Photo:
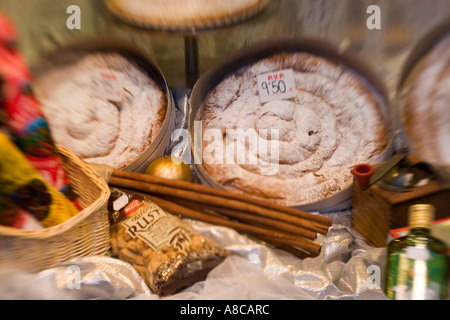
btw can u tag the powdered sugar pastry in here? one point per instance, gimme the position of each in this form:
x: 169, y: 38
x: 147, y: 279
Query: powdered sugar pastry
x: 333, y: 123
x: 97, y: 129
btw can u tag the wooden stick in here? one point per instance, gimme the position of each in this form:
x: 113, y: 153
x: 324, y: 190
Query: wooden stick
x: 165, y: 191
x: 222, y: 193
x: 258, y: 220
x: 307, y: 245
x: 280, y: 244
x: 299, y: 253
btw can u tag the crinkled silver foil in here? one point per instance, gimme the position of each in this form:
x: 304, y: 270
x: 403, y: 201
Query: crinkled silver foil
x: 254, y: 271
x: 95, y: 277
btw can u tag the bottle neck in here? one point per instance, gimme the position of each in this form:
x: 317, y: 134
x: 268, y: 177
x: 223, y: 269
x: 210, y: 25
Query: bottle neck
x: 420, y: 216
x: 420, y: 231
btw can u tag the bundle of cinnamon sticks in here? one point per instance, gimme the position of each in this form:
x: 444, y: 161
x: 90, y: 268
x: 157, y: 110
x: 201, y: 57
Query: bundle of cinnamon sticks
x: 286, y: 228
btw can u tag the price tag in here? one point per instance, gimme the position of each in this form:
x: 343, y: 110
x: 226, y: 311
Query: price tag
x: 108, y: 85
x: 277, y: 85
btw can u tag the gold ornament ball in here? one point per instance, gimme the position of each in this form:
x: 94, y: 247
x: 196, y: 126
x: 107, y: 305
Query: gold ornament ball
x: 165, y: 167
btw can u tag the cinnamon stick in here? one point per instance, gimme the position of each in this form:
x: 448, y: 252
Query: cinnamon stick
x: 258, y: 220
x: 202, y: 198
x: 277, y: 237
x: 222, y: 193
x: 299, y: 253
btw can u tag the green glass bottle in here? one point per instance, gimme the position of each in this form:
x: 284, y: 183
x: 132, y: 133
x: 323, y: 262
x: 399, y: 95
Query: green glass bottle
x: 417, y: 263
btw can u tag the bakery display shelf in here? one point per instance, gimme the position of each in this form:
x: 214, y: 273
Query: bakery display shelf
x: 206, y: 23
x: 190, y: 34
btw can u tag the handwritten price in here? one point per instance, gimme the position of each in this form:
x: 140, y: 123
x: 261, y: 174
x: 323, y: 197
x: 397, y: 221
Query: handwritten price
x: 277, y: 85
x: 274, y: 87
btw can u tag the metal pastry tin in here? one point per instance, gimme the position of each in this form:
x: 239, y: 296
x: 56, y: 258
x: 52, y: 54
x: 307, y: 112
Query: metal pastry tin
x: 247, y: 56
x: 127, y: 49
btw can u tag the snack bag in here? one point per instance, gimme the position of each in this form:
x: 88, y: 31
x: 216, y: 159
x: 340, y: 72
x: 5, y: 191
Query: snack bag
x: 166, y: 251
x: 25, y: 118
x: 25, y: 187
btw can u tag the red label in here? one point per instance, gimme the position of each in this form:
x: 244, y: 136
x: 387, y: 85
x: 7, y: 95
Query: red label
x: 131, y: 207
x: 275, y: 76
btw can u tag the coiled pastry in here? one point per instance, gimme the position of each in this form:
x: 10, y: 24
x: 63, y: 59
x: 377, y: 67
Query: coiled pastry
x: 333, y: 122
x: 425, y: 102
x: 92, y: 126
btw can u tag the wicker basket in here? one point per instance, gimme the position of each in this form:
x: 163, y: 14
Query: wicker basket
x: 85, y: 234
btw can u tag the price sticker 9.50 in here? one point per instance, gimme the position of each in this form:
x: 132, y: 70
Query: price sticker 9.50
x: 277, y: 85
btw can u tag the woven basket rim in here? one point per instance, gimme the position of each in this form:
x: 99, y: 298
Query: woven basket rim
x: 82, y: 215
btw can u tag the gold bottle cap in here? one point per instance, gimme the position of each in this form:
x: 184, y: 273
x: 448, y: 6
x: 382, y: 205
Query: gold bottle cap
x: 421, y: 215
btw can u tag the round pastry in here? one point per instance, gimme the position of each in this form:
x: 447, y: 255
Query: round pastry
x: 424, y: 100
x: 296, y: 151
x: 184, y: 14
x: 85, y: 119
